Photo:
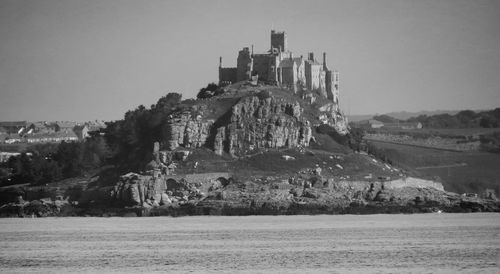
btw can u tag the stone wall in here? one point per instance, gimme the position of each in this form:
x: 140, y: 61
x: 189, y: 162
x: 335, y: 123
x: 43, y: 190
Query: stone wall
x: 261, y: 65
x: 200, y: 178
x: 227, y: 76
x: 244, y: 65
x: 413, y: 182
x: 459, y: 144
x: 312, y: 72
x: 343, y: 186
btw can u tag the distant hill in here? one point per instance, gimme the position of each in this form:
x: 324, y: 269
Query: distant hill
x: 386, y: 119
x: 357, y: 118
x: 405, y: 115
x: 401, y: 115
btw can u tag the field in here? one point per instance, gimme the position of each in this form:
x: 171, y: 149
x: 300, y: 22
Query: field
x: 442, y: 132
x: 459, y: 171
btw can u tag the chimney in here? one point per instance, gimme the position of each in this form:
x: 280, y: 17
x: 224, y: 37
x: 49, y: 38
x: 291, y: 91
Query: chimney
x: 220, y: 62
x: 311, y: 56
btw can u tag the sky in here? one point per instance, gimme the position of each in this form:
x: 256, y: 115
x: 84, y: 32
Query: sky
x: 96, y: 59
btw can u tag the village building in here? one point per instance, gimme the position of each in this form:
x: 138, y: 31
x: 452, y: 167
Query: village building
x: 56, y: 137
x: 41, y: 127
x: 65, y: 126
x: 12, y: 127
x: 403, y: 125
x: 81, y: 131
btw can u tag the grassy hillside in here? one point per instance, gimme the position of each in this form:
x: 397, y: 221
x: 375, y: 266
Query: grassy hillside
x: 334, y: 164
x: 459, y: 171
x: 441, y: 132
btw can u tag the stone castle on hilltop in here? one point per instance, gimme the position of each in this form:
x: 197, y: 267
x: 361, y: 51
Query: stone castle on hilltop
x: 280, y: 67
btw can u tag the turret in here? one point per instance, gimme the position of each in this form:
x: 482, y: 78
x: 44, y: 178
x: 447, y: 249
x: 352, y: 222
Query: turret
x: 311, y: 56
x: 325, y: 68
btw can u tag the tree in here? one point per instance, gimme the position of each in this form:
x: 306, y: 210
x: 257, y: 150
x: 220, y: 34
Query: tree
x: 466, y: 118
x: 488, y: 121
x: 208, y: 91
x: 131, y: 139
x: 355, y: 138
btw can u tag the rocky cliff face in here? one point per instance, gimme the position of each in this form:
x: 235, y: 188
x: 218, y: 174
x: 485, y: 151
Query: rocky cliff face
x: 187, y: 131
x: 255, y: 122
x: 262, y: 123
x: 332, y: 116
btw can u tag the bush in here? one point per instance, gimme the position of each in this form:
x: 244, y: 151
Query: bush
x: 131, y: 139
x: 353, y: 139
x: 210, y: 90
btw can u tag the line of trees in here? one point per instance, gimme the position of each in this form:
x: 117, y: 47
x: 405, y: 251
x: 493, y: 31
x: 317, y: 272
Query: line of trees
x: 45, y: 163
x: 131, y: 139
x: 353, y: 139
x: 125, y: 143
x: 463, y: 119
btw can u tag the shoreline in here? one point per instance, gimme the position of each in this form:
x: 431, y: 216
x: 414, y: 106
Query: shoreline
x: 225, y: 209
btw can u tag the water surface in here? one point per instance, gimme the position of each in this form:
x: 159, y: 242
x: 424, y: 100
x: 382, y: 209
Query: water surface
x: 419, y: 243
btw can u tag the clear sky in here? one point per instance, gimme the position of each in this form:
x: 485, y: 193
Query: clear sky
x: 95, y: 59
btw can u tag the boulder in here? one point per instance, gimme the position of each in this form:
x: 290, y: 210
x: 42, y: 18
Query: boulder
x: 382, y: 196
x: 165, y: 200
x: 287, y: 157
x: 136, y: 189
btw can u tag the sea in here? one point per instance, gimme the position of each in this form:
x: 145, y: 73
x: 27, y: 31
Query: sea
x: 418, y: 243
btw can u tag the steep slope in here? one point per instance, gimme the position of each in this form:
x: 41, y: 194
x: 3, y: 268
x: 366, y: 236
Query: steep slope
x: 246, y: 119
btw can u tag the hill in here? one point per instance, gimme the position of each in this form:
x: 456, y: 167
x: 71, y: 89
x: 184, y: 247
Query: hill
x: 248, y: 149
x: 401, y: 115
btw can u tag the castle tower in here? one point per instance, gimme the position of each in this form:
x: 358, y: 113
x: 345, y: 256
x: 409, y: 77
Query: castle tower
x: 328, y: 79
x: 244, y: 65
x: 278, y: 41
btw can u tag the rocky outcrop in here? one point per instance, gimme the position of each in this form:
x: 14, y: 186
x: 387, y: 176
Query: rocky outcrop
x: 148, y: 191
x: 187, y: 131
x: 36, y: 208
x: 410, y: 182
x: 136, y: 189
x: 331, y: 115
x: 256, y: 123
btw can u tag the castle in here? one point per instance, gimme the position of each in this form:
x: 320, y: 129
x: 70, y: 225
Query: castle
x: 280, y: 67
